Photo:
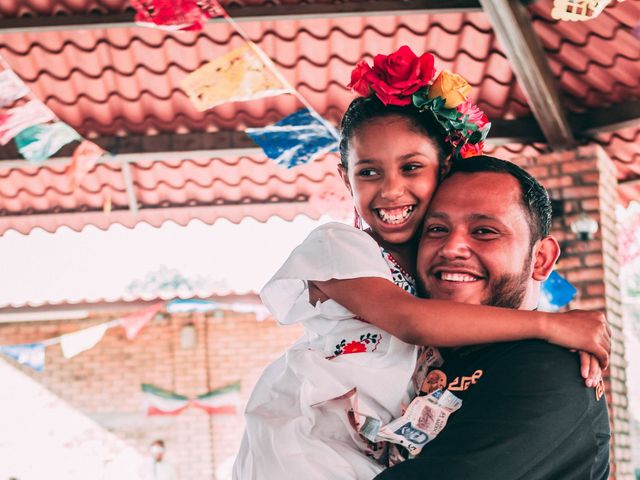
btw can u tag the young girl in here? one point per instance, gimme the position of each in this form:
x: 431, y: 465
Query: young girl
x: 356, y: 359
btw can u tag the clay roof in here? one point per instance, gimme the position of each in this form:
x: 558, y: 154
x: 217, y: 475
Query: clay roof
x: 122, y: 81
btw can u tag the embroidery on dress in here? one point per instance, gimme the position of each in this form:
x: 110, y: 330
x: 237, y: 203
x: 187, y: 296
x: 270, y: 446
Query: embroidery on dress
x: 367, y: 343
x: 400, y: 277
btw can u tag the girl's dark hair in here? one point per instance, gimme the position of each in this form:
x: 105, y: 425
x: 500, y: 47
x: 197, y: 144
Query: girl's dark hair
x: 363, y: 109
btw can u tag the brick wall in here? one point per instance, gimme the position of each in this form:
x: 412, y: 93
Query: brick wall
x: 103, y: 384
x: 584, y: 180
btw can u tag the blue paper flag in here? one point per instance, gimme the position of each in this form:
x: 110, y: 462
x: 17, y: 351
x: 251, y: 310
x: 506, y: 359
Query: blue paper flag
x: 297, y: 139
x: 556, y: 292
x: 39, y: 142
x: 191, y: 305
x: 29, y: 354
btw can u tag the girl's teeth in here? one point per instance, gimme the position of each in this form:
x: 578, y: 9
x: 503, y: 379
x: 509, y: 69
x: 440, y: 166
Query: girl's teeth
x: 458, y: 277
x: 395, y: 215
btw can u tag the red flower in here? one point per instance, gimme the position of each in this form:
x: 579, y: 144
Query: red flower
x: 354, y: 347
x: 476, y: 115
x: 468, y: 150
x: 394, y: 78
x: 360, y: 79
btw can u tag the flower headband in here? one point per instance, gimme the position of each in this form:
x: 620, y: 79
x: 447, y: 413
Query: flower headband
x: 402, y: 78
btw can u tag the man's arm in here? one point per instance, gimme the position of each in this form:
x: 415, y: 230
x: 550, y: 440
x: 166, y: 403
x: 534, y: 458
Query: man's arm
x: 528, y: 417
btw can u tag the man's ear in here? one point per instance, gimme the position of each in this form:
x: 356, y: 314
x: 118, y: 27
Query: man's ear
x: 546, y: 253
x: 345, y: 177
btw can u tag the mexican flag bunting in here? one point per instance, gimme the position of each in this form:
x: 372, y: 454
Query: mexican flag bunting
x: 162, y: 402
x: 135, y: 322
x: 222, y: 401
x: 240, y: 75
x: 12, y: 88
x: 29, y: 354
x: 18, y: 118
x: 39, y: 142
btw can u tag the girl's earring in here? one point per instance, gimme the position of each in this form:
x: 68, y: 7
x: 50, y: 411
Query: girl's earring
x: 357, y: 221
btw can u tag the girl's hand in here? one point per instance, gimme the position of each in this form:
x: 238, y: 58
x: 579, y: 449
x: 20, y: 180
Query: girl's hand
x: 581, y: 330
x: 590, y: 369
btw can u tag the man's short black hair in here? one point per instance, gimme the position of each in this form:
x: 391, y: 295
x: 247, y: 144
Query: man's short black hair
x: 535, y: 199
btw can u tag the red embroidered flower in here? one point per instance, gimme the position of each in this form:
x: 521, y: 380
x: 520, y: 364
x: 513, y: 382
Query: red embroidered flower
x: 476, y: 115
x: 354, y: 347
x: 394, y: 78
x: 468, y: 150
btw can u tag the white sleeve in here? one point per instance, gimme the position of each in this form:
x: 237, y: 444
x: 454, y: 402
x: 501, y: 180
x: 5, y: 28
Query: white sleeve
x: 332, y: 251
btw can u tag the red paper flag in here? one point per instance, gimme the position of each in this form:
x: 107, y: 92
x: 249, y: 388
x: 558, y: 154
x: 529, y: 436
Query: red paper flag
x: 135, y: 322
x: 176, y: 14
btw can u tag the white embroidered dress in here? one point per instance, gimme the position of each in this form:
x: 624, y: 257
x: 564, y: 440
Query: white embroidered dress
x: 294, y: 428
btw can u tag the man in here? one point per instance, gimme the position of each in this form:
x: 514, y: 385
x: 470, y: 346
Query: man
x: 525, y: 412
x: 157, y: 467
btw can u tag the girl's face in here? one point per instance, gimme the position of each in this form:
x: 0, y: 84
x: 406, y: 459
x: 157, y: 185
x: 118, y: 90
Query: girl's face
x: 392, y: 174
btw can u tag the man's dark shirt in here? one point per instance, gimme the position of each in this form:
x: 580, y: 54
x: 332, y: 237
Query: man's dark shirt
x: 527, y: 416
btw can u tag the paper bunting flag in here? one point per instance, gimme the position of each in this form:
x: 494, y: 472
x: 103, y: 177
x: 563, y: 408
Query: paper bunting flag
x: 191, y: 305
x: 18, y: 118
x: 175, y: 15
x: 39, y: 142
x: 223, y: 401
x: 77, y: 342
x: 239, y: 75
x: 555, y: 293
x: 12, y: 88
x: 162, y: 402
x: 297, y: 139
x: 83, y: 160
x: 29, y: 354
x: 135, y: 322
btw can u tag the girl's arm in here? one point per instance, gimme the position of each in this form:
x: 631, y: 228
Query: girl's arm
x: 443, y: 323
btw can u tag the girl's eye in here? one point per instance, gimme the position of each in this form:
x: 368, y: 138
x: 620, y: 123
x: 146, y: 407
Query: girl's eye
x: 411, y: 167
x: 367, y: 172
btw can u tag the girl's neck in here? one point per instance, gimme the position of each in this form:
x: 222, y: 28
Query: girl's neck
x: 403, y: 253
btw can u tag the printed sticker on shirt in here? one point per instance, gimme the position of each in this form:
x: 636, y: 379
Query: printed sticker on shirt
x: 599, y: 388
x: 460, y: 384
x: 428, y: 357
x: 422, y: 422
x: 435, y: 380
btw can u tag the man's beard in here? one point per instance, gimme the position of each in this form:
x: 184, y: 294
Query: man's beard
x: 507, y: 291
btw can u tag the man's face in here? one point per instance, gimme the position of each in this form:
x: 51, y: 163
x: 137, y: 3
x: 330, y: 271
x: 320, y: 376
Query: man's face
x: 475, y: 246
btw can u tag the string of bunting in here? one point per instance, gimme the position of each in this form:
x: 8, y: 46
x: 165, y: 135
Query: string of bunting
x: 244, y: 74
x: 37, y: 131
x: 33, y: 354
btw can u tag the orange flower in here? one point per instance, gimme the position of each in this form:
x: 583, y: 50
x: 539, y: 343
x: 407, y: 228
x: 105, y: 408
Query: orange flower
x: 450, y: 86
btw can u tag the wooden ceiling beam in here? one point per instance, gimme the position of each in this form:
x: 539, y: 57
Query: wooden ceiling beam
x: 512, y: 25
x: 249, y: 13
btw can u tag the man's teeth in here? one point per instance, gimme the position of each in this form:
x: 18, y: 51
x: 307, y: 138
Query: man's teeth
x: 394, y: 215
x: 457, y: 277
